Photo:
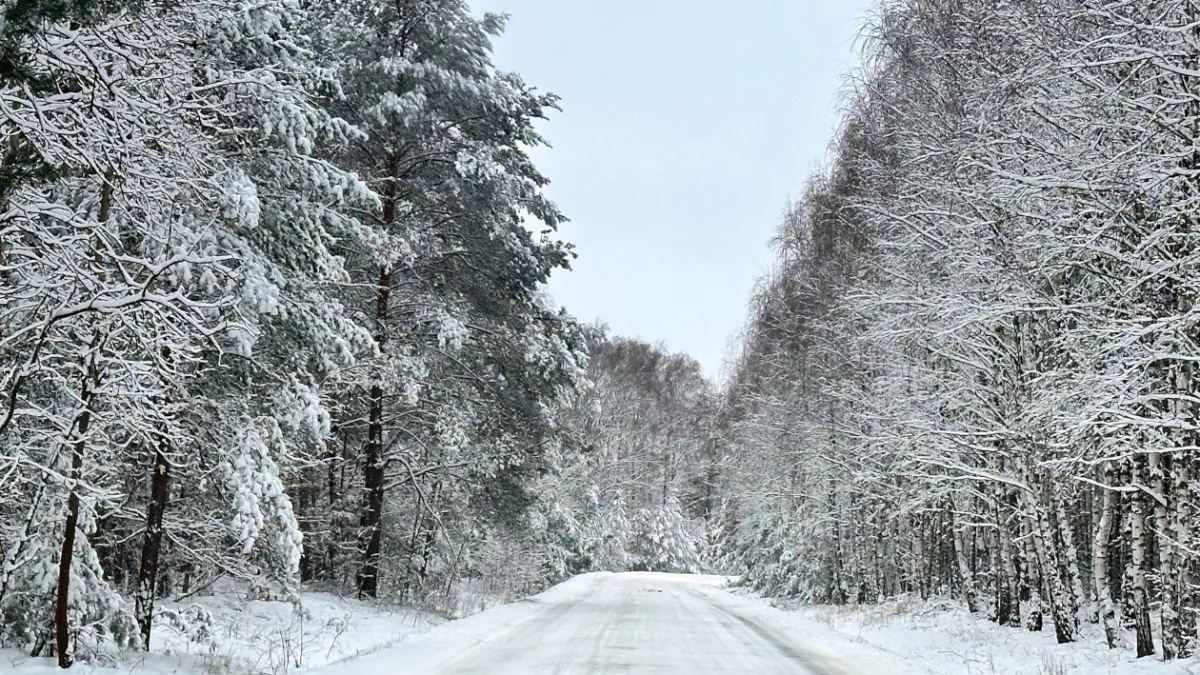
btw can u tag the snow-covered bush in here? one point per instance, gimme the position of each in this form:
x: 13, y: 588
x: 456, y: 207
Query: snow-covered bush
x: 661, y: 542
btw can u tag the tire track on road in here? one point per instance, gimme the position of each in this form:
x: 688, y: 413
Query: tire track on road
x: 767, y: 635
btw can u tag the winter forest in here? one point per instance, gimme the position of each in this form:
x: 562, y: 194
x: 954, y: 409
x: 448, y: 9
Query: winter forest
x: 273, y: 312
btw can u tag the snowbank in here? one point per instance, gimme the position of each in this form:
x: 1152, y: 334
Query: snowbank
x: 224, y: 634
x: 424, y: 653
x: 943, y: 639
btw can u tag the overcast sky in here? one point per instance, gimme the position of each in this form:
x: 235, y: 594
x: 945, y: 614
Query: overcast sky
x: 686, y: 126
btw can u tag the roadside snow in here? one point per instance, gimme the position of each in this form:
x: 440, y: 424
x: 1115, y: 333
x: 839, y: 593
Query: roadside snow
x: 944, y: 639
x: 836, y: 651
x: 427, y: 652
x: 223, y: 633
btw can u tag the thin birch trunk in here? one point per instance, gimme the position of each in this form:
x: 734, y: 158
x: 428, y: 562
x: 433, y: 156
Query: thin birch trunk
x: 1047, y: 557
x: 1071, y: 552
x: 1139, y: 593
x: 962, y: 562
x: 1032, y: 579
x: 1101, y: 565
x: 1160, y: 465
x: 1184, y: 610
x: 1008, y: 608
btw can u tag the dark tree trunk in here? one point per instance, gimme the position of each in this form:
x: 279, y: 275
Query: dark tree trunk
x: 337, y: 459
x: 308, y: 516
x: 62, y: 629
x: 368, y: 577
x: 83, y: 422
x: 373, y: 473
x: 147, y: 581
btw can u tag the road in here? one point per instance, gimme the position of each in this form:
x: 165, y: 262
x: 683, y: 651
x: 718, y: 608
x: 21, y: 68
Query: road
x: 640, y: 623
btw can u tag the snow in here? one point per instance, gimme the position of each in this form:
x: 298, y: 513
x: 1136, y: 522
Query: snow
x: 632, y: 622
x: 940, y: 637
x: 604, y: 622
x: 329, y: 629
x: 560, y: 629
x: 251, y: 637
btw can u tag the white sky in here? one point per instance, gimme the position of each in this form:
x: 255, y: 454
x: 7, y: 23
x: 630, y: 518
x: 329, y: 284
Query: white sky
x: 686, y: 126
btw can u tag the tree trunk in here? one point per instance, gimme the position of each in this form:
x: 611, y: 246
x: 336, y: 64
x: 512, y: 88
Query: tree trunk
x: 1071, y: 553
x: 368, y: 577
x: 1008, y: 604
x: 147, y: 581
x: 1139, y: 593
x: 337, y: 458
x: 1101, y: 561
x: 373, y: 472
x: 917, y: 566
x: 1047, y: 558
x: 1031, y: 580
x: 964, y: 565
x: 1160, y: 465
x: 839, y: 595
x: 62, y: 629
x: 1185, y: 610
x: 1066, y: 626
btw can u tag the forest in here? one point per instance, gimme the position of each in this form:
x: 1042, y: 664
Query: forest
x: 273, y: 312
x: 972, y: 371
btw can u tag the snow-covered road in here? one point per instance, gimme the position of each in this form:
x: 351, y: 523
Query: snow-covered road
x: 639, y: 623
x: 628, y: 623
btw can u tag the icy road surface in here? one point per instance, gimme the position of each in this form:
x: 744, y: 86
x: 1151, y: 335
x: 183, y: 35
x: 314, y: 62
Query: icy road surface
x: 629, y: 623
x: 639, y: 623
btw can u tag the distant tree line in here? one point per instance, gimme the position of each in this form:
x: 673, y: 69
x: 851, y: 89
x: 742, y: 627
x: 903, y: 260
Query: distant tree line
x: 637, y: 485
